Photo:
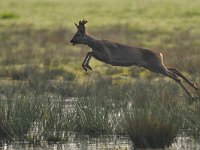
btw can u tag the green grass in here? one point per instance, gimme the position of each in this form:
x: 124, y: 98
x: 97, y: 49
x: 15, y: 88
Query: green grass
x: 25, y: 50
x: 38, y: 65
x: 153, y: 119
x: 99, y: 108
x: 49, y: 13
x: 42, y: 40
x: 39, y: 36
x: 8, y: 16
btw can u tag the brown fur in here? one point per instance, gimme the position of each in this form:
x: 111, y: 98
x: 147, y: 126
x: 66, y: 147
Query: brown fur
x: 117, y: 54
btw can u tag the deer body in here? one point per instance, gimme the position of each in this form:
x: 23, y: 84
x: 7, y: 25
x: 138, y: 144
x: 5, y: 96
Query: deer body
x: 122, y: 55
x: 117, y: 54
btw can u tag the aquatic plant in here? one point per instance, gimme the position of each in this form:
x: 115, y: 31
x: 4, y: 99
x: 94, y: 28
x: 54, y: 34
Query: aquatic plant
x: 153, y: 119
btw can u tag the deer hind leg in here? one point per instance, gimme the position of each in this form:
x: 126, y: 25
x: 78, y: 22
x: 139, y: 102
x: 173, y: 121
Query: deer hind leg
x: 175, y: 78
x: 177, y: 72
x: 160, y: 68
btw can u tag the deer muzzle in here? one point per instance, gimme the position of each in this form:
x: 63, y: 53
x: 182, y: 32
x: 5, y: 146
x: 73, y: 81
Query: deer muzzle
x: 73, y: 42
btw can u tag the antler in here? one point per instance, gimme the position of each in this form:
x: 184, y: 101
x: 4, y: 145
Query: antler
x: 83, y: 22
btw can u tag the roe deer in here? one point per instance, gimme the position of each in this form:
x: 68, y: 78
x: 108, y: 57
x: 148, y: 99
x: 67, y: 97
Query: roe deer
x: 122, y: 55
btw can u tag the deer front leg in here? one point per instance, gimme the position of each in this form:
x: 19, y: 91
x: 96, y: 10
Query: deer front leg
x: 85, y: 63
x: 88, y: 60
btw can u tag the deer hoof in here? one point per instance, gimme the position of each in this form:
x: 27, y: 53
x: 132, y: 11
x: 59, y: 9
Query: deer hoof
x: 84, y: 67
x: 195, y: 86
x: 88, y: 67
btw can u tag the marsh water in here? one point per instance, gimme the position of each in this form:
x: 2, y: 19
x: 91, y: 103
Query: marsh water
x: 108, y: 142
x: 77, y: 142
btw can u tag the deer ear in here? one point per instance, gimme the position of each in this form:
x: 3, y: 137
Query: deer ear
x: 76, y: 25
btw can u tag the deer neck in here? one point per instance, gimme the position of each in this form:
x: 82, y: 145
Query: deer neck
x: 91, y: 41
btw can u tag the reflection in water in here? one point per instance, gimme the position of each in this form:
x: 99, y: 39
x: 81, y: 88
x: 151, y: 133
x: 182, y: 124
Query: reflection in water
x: 185, y: 143
x: 81, y: 142
x: 84, y: 142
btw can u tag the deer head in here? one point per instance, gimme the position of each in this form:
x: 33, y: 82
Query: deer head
x: 80, y: 36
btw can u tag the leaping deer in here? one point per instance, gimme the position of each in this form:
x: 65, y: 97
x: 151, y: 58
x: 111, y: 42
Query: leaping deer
x: 118, y: 54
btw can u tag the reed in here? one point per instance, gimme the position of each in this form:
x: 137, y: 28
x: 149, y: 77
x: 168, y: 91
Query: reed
x: 149, y: 111
x: 153, y: 119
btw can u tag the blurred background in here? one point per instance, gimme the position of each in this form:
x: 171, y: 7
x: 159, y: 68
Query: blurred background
x: 45, y: 95
x: 35, y: 35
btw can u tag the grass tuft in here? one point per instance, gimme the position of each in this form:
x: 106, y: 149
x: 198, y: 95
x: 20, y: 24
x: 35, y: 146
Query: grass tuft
x: 8, y: 15
x: 152, y: 121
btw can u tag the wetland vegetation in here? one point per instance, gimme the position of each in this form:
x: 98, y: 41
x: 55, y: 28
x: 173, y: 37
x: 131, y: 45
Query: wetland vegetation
x: 45, y: 94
